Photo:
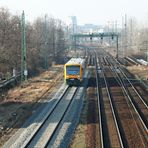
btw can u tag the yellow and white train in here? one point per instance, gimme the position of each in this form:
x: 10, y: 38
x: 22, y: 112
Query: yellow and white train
x: 74, y: 71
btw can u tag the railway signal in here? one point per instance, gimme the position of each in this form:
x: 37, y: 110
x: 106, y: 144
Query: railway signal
x: 101, y: 35
x: 112, y: 37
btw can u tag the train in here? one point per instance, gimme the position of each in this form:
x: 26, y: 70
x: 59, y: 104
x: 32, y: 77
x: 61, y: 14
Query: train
x: 74, y: 71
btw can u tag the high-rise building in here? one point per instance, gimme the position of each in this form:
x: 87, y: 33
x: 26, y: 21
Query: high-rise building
x: 74, y: 24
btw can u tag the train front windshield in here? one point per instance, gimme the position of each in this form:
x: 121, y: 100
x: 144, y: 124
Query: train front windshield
x: 73, y: 70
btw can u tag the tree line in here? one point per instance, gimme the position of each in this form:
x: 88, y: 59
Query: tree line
x: 135, y: 37
x: 45, y: 42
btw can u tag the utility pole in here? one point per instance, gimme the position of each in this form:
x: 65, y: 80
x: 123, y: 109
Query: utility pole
x: 125, y: 43
x: 122, y: 39
x: 131, y: 32
x: 45, y: 43
x: 147, y: 51
x: 116, y: 26
x: 24, y: 71
x: 117, y: 47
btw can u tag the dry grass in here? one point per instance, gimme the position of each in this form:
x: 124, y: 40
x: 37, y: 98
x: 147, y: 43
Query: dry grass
x: 19, y: 102
x: 139, y: 70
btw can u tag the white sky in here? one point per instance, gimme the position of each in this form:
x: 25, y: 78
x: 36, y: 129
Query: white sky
x: 87, y: 11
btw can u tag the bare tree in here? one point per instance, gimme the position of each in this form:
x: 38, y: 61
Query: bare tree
x: 61, y: 45
x: 45, y: 40
x: 9, y: 40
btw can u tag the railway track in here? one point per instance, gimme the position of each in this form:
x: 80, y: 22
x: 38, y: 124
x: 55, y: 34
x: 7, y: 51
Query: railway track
x: 42, y: 130
x: 136, y: 98
x: 137, y: 110
x: 138, y: 101
x: 129, y: 108
x: 111, y: 136
x: 123, y: 111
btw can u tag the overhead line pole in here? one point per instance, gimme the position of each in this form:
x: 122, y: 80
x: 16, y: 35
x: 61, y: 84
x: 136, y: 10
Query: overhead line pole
x: 45, y: 43
x: 24, y: 72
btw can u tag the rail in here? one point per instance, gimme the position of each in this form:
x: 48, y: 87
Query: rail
x: 127, y: 92
x: 31, y: 136
x: 99, y: 105
x: 114, y: 114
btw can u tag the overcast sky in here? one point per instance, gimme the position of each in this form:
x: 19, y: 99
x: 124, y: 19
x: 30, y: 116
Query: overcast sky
x: 87, y: 11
